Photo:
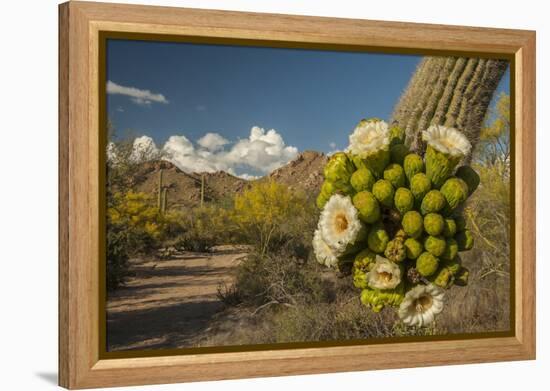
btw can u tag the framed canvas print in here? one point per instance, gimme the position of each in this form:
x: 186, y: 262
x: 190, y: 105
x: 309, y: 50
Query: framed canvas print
x: 247, y: 195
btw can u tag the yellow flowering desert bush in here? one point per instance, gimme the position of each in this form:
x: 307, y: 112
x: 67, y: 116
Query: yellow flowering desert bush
x: 268, y: 211
x: 134, y: 226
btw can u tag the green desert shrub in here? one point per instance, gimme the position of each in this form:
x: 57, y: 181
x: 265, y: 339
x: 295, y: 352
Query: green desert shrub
x: 280, y: 277
x: 206, y: 227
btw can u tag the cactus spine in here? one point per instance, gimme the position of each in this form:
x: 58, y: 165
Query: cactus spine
x: 450, y: 91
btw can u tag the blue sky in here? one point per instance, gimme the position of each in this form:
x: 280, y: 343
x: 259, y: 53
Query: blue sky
x: 312, y: 99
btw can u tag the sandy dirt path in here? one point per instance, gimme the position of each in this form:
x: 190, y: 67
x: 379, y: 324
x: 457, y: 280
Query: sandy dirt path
x: 169, y: 302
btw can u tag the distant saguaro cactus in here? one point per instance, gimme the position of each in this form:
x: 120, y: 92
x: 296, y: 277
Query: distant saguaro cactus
x: 164, y: 200
x: 450, y: 91
x: 159, y: 190
x: 161, y: 200
x: 202, y: 190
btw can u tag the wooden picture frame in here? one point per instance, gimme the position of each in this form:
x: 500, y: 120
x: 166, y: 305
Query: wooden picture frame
x: 80, y: 27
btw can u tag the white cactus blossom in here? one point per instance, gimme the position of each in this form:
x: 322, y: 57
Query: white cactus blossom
x: 325, y: 254
x: 447, y: 140
x: 384, y: 274
x: 369, y: 137
x: 421, y: 304
x: 339, y: 222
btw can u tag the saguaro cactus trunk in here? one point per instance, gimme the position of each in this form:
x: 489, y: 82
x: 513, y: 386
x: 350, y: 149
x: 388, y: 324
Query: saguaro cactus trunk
x: 450, y: 91
x: 159, y: 191
x: 202, y: 190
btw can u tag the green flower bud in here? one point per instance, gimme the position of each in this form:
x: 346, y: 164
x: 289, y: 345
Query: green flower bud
x: 329, y: 188
x: 398, y: 153
x: 412, y: 164
x: 364, y: 259
x: 321, y: 200
x: 435, y: 245
x: 465, y: 240
x: 468, y: 175
x: 362, y: 180
x: 449, y: 229
x: 378, y: 239
x: 433, y: 224
x: 451, y: 250
x: 426, y: 264
x: 454, y: 265
x: 403, y: 200
x: 433, y: 202
x: 439, y: 166
x: 384, y: 193
x: 397, y: 136
x: 420, y: 186
x: 442, y: 278
x: 461, y: 278
x: 412, y: 224
x: 395, y: 250
x: 367, y: 206
x: 455, y: 191
x: 460, y: 223
x: 339, y: 168
x: 395, y: 175
x: 360, y: 279
x: 361, y: 266
x: 376, y: 299
x: 413, y: 248
x: 375, y: 162
x: 401, y: 234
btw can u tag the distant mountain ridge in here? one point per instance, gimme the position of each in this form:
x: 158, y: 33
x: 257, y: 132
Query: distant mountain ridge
x: 305, y: 172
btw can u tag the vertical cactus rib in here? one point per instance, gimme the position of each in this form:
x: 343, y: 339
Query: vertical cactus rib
x: 454, y: 92
x: 402, y: 109
x: 462, y: 85
x: 494, y: 69
x: 469, y: 93
x: 435, y: 65
x: 430, y: 107
x: 445, y: 101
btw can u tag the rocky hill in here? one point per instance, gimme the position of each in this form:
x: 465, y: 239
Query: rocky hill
x: 184, y: 189
x: 305, y: 172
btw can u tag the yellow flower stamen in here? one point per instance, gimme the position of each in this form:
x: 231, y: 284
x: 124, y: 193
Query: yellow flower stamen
x: 385, y: 276
x: 341, y: 222
x: 423, y: 303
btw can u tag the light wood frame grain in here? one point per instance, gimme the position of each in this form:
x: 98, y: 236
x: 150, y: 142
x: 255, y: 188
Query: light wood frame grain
x: 80, y: 23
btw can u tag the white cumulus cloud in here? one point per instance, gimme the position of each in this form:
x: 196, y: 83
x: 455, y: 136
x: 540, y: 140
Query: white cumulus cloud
x: 181, y: 152
x: 138, y: 96
x: 249, y: 177
x: 144, y: 148
x: 262, y: 152
x: 212, y: 141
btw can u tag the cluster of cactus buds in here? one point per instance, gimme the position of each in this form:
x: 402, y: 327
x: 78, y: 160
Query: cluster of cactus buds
x: 409, y: 210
